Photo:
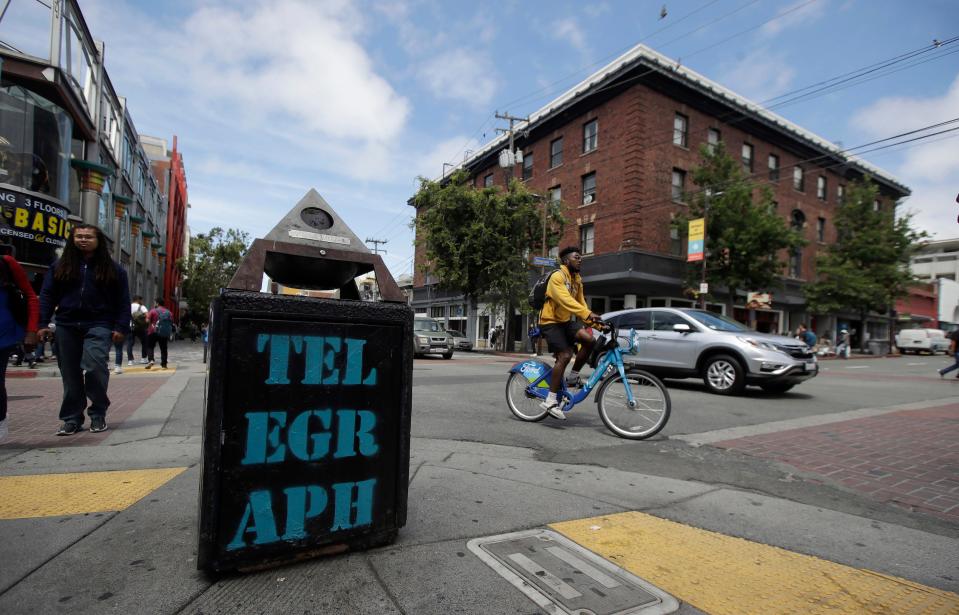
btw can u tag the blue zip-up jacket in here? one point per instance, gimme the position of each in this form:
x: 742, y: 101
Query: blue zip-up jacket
x: 83, y: 303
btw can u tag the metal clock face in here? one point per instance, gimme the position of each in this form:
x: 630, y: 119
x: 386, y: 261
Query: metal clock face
x: 316, y: 218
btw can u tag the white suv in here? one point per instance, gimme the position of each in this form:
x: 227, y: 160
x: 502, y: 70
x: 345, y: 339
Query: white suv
x: 727, y: 355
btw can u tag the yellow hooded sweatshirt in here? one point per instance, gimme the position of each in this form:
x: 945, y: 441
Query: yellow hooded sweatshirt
x: 564, y: 298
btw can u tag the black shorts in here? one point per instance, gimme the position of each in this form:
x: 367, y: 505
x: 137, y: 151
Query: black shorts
x: 561, y: 336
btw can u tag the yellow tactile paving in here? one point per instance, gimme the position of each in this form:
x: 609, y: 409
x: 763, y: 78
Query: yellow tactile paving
x: 139, y: 370
x: 49, y: 495
x: 725, y: 575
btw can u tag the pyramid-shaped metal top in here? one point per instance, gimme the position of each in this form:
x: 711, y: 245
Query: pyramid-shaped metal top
x: 312, y: 222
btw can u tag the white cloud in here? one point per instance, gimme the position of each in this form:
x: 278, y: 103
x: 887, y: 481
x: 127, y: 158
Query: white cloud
x: 570, y: 31
x: 759, y: 75
x: 889, y: 116
x: 460, y: 75
x: 928, y: 168
x: 807, y: 13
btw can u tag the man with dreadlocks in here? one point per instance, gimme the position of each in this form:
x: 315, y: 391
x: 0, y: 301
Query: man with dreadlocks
x: 90, y: 294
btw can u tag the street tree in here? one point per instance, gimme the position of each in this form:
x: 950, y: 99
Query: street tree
x: 477, y: 240
x: 745, y: 236
x: 214, y: 258
x: 867, y: 268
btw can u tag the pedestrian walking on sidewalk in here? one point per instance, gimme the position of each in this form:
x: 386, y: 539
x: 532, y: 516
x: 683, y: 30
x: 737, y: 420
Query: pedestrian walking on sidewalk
x: 19, y: 315
x: 842, y: 344
x: 160, y: 332
x: 138, y: 329
x: 89, y: 292
x: 954, y: 351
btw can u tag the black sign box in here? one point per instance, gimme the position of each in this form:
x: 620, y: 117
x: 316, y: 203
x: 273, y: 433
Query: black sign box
x: 306, y: 428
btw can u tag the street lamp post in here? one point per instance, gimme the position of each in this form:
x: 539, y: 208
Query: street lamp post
x: 702, y: 281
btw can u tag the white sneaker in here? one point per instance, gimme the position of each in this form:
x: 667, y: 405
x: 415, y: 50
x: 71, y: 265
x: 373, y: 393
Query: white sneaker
x: 554, y: 410
x: 117, y: 370
x: 129, y: 363
x: 149, y: 365
x: 4, y: 430
x: 143, y: 361
x: 574, y: 383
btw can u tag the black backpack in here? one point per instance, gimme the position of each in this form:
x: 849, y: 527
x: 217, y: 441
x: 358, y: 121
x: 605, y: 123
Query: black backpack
x: 537, y: 294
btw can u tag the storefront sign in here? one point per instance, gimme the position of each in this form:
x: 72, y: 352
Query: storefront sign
x: 697, y: 237
x: 30, y: 217
x: 307, y: 432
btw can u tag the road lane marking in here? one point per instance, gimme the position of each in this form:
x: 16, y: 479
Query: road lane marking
x: 857, y: 366
x: 726, y: 575
x: 923, y: 363
x: 51, y: 495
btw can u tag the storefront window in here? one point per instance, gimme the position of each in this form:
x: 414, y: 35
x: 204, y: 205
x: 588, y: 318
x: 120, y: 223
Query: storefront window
x: 34, y: 143
x: 105, y: 210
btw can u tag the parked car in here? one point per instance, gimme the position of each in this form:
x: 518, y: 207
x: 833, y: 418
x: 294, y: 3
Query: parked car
x: 429, y: 337
x: 460, y: 341
x: 726, y: 354
x: 922, y: 340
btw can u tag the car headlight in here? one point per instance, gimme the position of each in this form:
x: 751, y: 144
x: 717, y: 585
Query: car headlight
x: 757, y: 343
x: 422, y: 340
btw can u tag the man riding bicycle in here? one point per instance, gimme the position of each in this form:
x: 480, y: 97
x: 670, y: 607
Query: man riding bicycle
x: 562, y: 327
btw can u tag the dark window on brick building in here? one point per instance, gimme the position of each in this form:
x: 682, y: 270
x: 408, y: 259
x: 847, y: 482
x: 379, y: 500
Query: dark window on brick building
x: 556, y: 152
x: 586, y: 239
x: 840, y: 193
x: 821, y: 188
x: 799, y: 179
x: 589, y: 188
x: 527, y: 165
x: 821, y: 230
x: 798, y: 221
x: 713, y: 137
x: 679, y: 185
x: 773, y: 167
x: 681, y: 130
x: 590, y: 136
x: 488, y: 181
x: 747, y: 158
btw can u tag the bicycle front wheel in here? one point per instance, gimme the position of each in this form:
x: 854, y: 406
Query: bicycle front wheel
x: 523, y: 406
x: 649, y: 412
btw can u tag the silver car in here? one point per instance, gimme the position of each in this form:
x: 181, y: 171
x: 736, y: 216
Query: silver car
x: 727, y: 355
x: 429, y: 337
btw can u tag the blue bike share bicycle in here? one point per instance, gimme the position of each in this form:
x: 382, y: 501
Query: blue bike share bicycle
x: 632, y: 403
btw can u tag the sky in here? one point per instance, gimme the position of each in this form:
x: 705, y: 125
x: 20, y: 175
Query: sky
x: 358, y: 99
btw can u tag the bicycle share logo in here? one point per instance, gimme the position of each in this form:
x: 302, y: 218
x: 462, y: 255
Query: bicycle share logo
x: 532, y: 370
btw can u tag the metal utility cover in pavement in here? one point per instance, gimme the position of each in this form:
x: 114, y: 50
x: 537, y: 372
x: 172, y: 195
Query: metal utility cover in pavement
x: 556, y: 572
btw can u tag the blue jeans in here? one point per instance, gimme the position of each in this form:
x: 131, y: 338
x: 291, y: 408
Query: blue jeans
x: 955, y: 365
x: 83, y: 354
x: 4, y: 358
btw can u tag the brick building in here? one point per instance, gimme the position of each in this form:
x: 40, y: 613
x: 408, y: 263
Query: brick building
x: 170, y: 174
x: 617, y: 150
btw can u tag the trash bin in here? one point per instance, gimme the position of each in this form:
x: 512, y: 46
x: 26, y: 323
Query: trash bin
x: 307, y: 413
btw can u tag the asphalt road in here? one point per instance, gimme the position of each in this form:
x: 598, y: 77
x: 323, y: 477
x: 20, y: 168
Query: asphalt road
x: 463, y: 399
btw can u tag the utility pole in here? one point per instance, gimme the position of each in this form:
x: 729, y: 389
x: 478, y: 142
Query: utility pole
x: 376, y: 244
x: 512, y: 119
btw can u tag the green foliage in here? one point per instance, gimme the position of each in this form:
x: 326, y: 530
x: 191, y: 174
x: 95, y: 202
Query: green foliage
x: 744, y: 234
x: 867, y: 269
x: 477, y: 240
x: 214, y: 258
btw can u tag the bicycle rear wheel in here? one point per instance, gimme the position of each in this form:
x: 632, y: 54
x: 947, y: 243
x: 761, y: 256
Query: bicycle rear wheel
x: 521, y: 404
x: 649, y: 413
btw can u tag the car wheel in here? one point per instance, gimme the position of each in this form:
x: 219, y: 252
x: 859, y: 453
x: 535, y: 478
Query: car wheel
x: 724, y: 375
x: 448, y: 355
x: 776, y: 387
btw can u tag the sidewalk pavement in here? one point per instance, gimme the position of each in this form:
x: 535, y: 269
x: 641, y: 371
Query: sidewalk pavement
x: 106, y: 523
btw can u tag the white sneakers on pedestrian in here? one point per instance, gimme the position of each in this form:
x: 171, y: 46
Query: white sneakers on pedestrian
x: 4, y: 430
x: 553, y: 409
x: 143, y: 361
x: 117, y: 370
x: 130, y: 363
